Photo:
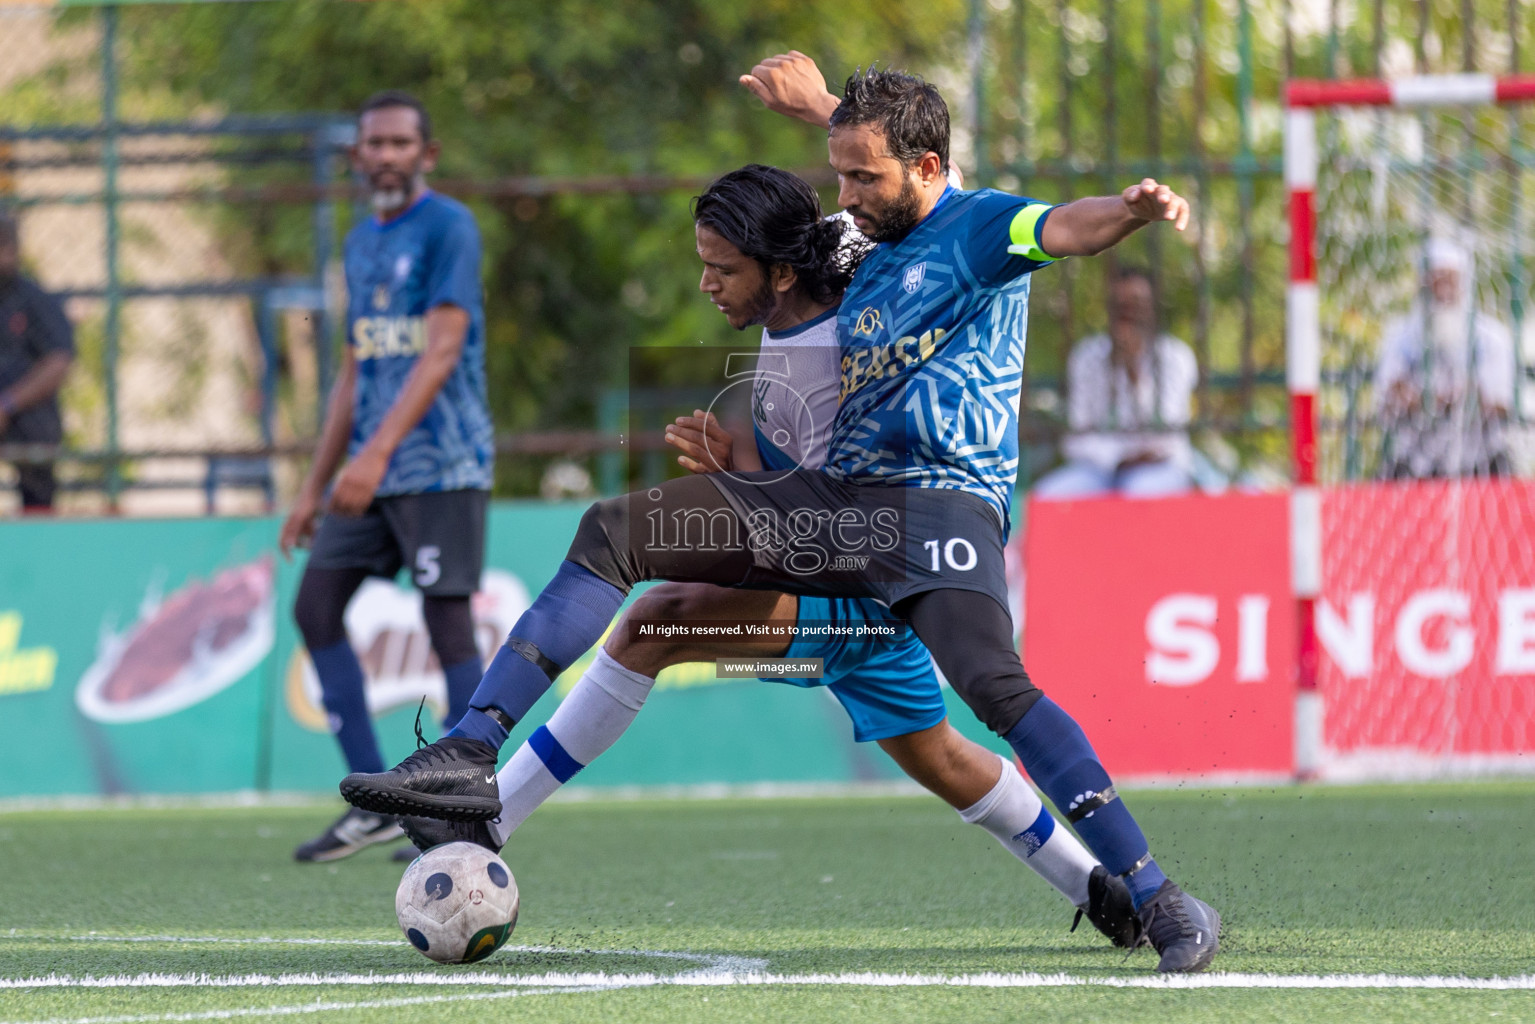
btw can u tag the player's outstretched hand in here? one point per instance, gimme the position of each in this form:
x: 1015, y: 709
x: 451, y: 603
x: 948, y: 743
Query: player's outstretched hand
x: 705, y: 445
x: 1151, y: 201
x: 357, y: 484
x: 298, y: 528
x: 791, y: 84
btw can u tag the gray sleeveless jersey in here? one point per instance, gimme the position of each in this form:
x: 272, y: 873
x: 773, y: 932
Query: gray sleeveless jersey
x: 794, y: 393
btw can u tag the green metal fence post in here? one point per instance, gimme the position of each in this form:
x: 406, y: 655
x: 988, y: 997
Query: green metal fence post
x: 1246, y: 168
x: 112, y: 328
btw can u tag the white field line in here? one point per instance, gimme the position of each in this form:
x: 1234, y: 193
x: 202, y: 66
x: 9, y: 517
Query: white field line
x: 256, y: 940
x: 726, y: 962
x: 583, y: 980
x: 289, y: 1011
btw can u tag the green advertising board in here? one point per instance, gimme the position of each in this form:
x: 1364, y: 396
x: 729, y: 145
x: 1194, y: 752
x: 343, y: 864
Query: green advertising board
x: 160, y: 656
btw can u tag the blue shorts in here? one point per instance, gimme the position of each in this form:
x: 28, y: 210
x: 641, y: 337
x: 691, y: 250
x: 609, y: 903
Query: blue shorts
x: 887, y: 686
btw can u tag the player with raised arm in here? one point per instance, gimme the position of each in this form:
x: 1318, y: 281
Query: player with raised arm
x: 917, y: 486
x: 408, y: 413
x: 771, y: 260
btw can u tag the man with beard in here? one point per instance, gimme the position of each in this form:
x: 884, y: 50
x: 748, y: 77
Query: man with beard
x: 1445, y: 380
x: 36, y: 349
x: 408, y: 415
x: 911, y: 508
x: 771, y: 260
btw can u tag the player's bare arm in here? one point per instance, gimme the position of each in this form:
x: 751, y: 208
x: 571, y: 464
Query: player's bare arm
x: 446, y: 327
x: 299, y: 527
x: 1088, y: 226
x: 791, y: 84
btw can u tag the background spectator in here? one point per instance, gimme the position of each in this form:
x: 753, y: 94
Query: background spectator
x: 36, y: 349
x: 1121, y: 386
x: 1436, y: 424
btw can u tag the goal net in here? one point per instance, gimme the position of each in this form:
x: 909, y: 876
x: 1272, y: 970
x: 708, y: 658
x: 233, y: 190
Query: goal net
x: 1412, y: 306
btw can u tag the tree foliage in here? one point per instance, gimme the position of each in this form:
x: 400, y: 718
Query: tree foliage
x: 570, y: 89
x: 1079, y: 97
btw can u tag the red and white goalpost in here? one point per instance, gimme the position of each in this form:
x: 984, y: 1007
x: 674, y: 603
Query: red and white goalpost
x: 1374, y: 170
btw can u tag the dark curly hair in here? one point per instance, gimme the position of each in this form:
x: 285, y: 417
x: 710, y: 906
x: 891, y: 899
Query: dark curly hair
x: 775, y: 218
x: 908, y: 112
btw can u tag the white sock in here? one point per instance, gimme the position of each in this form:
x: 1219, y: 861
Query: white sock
x: 1014, y: 814
x: 588, y: 721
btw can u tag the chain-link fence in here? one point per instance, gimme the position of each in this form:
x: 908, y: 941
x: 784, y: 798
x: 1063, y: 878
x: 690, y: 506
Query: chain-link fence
x: 190, y: 351
x: 196, y: 247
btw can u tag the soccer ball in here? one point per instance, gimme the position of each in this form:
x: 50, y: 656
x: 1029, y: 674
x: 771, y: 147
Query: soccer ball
x: 457, y: 903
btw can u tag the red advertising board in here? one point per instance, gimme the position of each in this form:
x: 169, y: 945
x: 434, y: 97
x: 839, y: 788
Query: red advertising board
x: 1427, y: 627
x: 1167, y: 628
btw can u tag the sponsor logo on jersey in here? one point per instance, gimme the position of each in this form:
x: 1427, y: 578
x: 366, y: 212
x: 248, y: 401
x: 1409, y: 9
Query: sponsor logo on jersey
x: 913, y: 279
x: 862, y: 365
x: 868, y: 323
x: 374, y: 337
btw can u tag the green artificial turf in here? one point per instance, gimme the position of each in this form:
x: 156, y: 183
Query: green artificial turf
x: 1427, y: 880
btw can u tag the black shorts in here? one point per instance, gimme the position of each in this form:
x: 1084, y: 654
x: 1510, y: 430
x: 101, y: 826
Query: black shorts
x: 439, y: 537
x: 35, y: 482
x: 810, y: 533
x: 37, y: 425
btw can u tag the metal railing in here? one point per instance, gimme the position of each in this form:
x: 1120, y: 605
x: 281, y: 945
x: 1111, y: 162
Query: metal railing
x: 1064, y: 98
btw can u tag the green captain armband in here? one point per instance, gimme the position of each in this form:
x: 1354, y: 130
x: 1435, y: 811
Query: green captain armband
x: 1024, y: 232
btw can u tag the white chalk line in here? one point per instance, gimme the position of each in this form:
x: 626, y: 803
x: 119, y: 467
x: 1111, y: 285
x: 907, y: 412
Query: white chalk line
x: 705, y: 978
x: 713, y: 971
x: 727, y: 962
x: 288, y: 1011
x: 254, y: 940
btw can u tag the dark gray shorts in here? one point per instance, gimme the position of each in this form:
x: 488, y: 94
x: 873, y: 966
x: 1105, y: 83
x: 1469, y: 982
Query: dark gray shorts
x: 439, y: 537
x: 810, y: 533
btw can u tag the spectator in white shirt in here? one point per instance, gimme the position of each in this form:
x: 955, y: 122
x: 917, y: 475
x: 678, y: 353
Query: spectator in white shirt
x: 1128, y: 394
x: 1436, y: 424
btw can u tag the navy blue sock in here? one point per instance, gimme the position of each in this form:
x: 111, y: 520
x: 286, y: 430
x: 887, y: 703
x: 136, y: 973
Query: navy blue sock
x: 462, y: 678
x: 341, y: 690
x: 564, y: 622
x: 1144, y: 883
x: 1056, y: 754
x: 477, y: 725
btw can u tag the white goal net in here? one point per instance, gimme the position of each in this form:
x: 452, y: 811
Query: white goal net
x: 1425, y: 284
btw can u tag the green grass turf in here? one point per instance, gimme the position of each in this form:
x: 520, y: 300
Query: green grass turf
x: 1421, y: 880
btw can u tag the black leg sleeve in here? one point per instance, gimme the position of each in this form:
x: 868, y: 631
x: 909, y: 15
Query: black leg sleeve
x: 682, y: 530
x: 320, y: 607
x: 450, y: 624
x: 970, y: 636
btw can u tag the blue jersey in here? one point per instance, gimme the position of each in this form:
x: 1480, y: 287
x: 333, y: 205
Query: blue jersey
x: 932, y: 337
x: 428, y: 256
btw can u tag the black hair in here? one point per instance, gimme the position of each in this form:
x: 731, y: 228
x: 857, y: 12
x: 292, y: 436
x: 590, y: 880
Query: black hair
x: 399, y: 98
x: 1127, y: 271
x: 775, y: 218
x: 908, y: 112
